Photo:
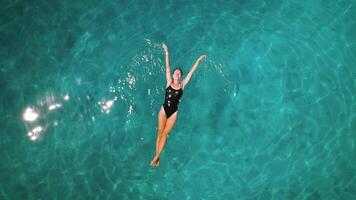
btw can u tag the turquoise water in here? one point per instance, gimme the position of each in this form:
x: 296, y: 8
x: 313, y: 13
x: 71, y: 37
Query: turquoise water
x: 270, y: 114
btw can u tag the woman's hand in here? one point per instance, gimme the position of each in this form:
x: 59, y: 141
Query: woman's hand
x: 165, y: 48
x: 201, y: 57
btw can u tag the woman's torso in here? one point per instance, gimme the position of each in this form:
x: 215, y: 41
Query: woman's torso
x: 172, y: 97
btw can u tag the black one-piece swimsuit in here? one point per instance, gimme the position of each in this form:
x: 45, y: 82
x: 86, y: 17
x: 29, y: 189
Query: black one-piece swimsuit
x: 171, y: 100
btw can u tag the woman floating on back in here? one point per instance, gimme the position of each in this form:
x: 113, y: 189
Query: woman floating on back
x: 169, y: 110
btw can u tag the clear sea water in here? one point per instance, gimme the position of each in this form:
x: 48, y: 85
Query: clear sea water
x: 270, y: 114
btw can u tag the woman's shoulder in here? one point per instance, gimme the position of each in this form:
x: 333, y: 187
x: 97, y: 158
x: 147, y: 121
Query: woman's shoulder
x: 180, y: 86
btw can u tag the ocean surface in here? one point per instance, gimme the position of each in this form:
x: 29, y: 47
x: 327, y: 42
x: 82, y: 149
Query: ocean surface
x: 270, y: 113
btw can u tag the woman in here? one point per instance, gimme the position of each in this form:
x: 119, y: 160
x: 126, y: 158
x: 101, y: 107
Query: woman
x: 168, y: 113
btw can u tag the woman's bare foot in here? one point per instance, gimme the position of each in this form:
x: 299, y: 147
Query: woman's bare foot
x: 155, y: 162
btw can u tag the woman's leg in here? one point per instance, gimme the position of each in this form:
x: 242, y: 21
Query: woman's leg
x: 167, y: 129
x: 162, y: 119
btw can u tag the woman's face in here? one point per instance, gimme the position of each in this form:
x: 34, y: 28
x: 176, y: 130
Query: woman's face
x: 177, y: 75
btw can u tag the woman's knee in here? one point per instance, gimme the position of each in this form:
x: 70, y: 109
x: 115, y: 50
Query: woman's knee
x: 167, y: 129
x: 160, y: 131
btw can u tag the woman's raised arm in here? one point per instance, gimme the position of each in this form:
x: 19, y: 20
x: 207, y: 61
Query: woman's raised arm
x: 168, y: 70
x: 189, y: 75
